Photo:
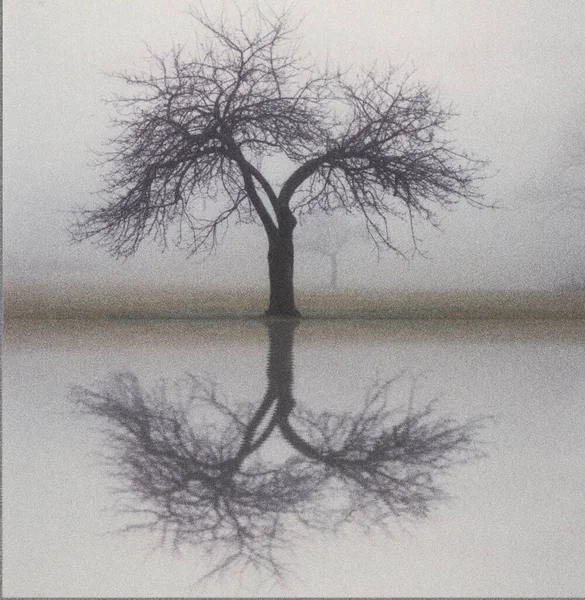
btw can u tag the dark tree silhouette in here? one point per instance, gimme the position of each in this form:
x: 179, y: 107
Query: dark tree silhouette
x: 194, y: 469
x: 188, y: 156
x: 200, y: 485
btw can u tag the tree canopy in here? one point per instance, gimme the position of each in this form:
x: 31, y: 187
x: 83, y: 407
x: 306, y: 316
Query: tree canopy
x: 188, y: 154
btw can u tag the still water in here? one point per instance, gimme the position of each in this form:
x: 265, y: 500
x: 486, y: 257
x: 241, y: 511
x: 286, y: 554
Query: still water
x: 331, y: 458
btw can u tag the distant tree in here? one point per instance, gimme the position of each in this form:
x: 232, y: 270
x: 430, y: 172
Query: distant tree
x: 195, y: 469
x: 192, y: 135
x: 327, y: 236
x: 571, y: 182
x: 562, y: 185
x: 560, y: 188
x: 576, y: 283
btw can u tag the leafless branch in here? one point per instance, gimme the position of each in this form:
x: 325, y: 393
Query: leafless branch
x: 195, y: 129
x: 193, y: 471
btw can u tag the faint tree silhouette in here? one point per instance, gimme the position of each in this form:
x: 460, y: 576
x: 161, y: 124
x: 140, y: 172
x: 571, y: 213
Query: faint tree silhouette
x: 327, y: 236
x: 561, y: 185
x: 187, y: 159
x: 194, y: 469
x: 568, y: 182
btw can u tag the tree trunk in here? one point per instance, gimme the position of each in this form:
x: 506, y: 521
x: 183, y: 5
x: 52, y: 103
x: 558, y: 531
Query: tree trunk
x: 333, y: 271
x: 281, y: 272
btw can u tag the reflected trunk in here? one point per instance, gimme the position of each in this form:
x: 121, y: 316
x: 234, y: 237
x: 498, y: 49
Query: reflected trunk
x: 187, y: 461
x: 280, y: 359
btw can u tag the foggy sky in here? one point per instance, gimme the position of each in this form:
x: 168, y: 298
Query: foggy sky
x: 514, y: 71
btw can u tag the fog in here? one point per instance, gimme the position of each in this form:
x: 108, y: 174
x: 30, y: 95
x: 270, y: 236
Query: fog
x: 489, y: 375
x: 514, y: 71
x: 511, y: 525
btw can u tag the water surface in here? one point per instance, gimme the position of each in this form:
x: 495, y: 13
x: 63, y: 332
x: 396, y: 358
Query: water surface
x: 509, y: 524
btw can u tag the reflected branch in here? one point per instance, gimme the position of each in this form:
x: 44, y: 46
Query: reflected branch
x: 383, y: 463
x: 199, y: 484
x: 197, y: 469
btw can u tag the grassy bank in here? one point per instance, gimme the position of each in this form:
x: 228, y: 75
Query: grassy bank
x: 22, y: 301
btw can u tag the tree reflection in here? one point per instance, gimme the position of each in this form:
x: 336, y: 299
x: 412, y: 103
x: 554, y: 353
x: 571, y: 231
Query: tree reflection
x: 193, y: 466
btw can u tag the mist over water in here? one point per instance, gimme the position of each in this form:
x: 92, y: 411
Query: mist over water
x: 418, y: 433
x: 511, y: 518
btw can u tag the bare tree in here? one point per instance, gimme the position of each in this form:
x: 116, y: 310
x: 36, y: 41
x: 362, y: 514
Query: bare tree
x: 561, y: 186
x: 187, y: 472
x: 328, y: 237
x: 194, y: 470
x: 568, y: 184
x: 559, y: 189
x: 187, y: 158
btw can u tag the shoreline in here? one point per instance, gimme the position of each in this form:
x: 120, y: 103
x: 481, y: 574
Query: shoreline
x: 91, y: 302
